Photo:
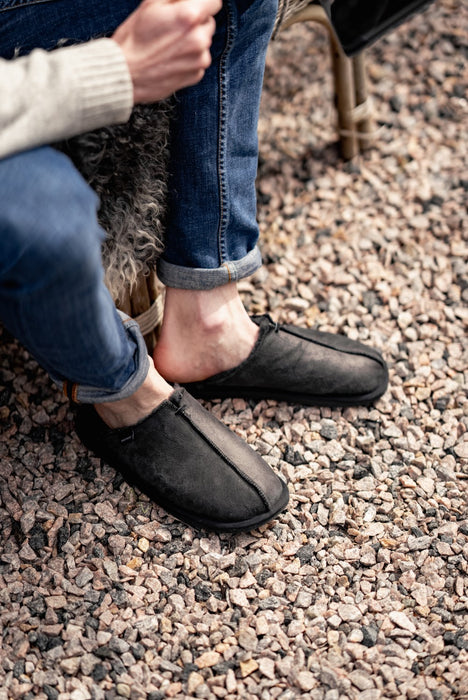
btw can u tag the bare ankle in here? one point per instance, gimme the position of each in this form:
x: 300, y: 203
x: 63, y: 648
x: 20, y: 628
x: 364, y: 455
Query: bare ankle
x: 203, y: 333
x: 207, y: 309
x: 125, y: 412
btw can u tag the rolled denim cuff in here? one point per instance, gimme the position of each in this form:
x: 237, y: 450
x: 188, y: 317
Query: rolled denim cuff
x: 207, y: 278
x: 88, y: 394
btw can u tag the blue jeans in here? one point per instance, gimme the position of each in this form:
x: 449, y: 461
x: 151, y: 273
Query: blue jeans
x: 52, y: 296
x: 212, y: 226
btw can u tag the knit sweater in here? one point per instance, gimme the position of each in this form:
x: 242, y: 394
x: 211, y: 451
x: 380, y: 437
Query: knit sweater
x: 49, y: 96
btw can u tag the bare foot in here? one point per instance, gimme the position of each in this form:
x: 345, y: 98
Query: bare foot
x: 120, y: 414
x: 203, y: 333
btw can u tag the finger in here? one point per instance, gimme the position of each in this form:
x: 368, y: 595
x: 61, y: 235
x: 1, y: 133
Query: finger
x: 199, y: 39
x: 192, y: 13
x: 189, y: 62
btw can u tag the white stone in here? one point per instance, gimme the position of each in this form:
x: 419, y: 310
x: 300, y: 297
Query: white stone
x: 349, y: 613
x: 238, y: 597
x: 267, y: 668
x: 402, y: 620
x: 306, y: 680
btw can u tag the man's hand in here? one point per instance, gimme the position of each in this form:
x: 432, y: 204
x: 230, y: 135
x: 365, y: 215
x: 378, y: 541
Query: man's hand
x: 167, y: 45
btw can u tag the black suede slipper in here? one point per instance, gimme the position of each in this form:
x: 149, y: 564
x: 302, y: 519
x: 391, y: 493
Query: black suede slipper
x: 301, y: 366
x: 189, y: 463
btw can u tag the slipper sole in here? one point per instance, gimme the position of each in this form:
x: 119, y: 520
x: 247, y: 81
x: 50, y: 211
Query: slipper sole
x: 209, y: 393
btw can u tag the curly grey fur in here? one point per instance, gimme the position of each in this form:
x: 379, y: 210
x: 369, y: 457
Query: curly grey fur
x: 287, y: 8
x: 127, y: 167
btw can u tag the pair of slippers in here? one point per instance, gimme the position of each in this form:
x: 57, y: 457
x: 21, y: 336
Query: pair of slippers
x: 197, y: 469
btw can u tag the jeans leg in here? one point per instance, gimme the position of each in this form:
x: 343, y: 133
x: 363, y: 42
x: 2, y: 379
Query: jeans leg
x: 52, y: 295
x: 212, y: 230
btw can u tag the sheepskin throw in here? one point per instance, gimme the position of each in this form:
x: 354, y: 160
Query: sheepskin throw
x: 286, y: 9
x: 126, y: 165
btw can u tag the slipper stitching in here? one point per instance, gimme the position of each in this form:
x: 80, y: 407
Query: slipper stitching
x: 240, y: 473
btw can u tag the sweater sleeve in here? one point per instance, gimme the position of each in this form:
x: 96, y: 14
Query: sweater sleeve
x: 48, y: 96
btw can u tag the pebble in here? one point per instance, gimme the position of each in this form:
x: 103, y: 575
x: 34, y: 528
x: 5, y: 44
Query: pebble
x: 70, y: 666
x: 369, y: 635
x: 267, y: 668
x: 248, y: 639
x: 238, y: 597
x: 193, y: 682
x: 231, y: 681
x: 361, y: 680
x: 402, y: 620
x: 248, y: 667
x: 328, y: 429
x: 338, y: 513
x: 111, y: 569
x: 207, y: 659
x: 26, y: 553
x: 334, y: 450
x: 418, y: 543
x: 461, y: 450
x: 349, y: 613
x: 84, y: 577
x: 306, y: 680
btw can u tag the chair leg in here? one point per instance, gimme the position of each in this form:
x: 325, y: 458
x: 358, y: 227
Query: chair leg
x: 366, y: 124
x: 345, y: 101
x: 145, y: 304
x: 343, y: 77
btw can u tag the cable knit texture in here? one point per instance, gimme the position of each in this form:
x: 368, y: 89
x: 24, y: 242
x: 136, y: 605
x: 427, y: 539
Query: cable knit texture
x: 48, y: 96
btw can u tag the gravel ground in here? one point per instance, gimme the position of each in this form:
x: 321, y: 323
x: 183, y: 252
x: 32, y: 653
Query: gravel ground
x: 359, y: 590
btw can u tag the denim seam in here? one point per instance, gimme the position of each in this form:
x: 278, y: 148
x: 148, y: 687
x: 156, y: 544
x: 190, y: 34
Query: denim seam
x: 222, y: 135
